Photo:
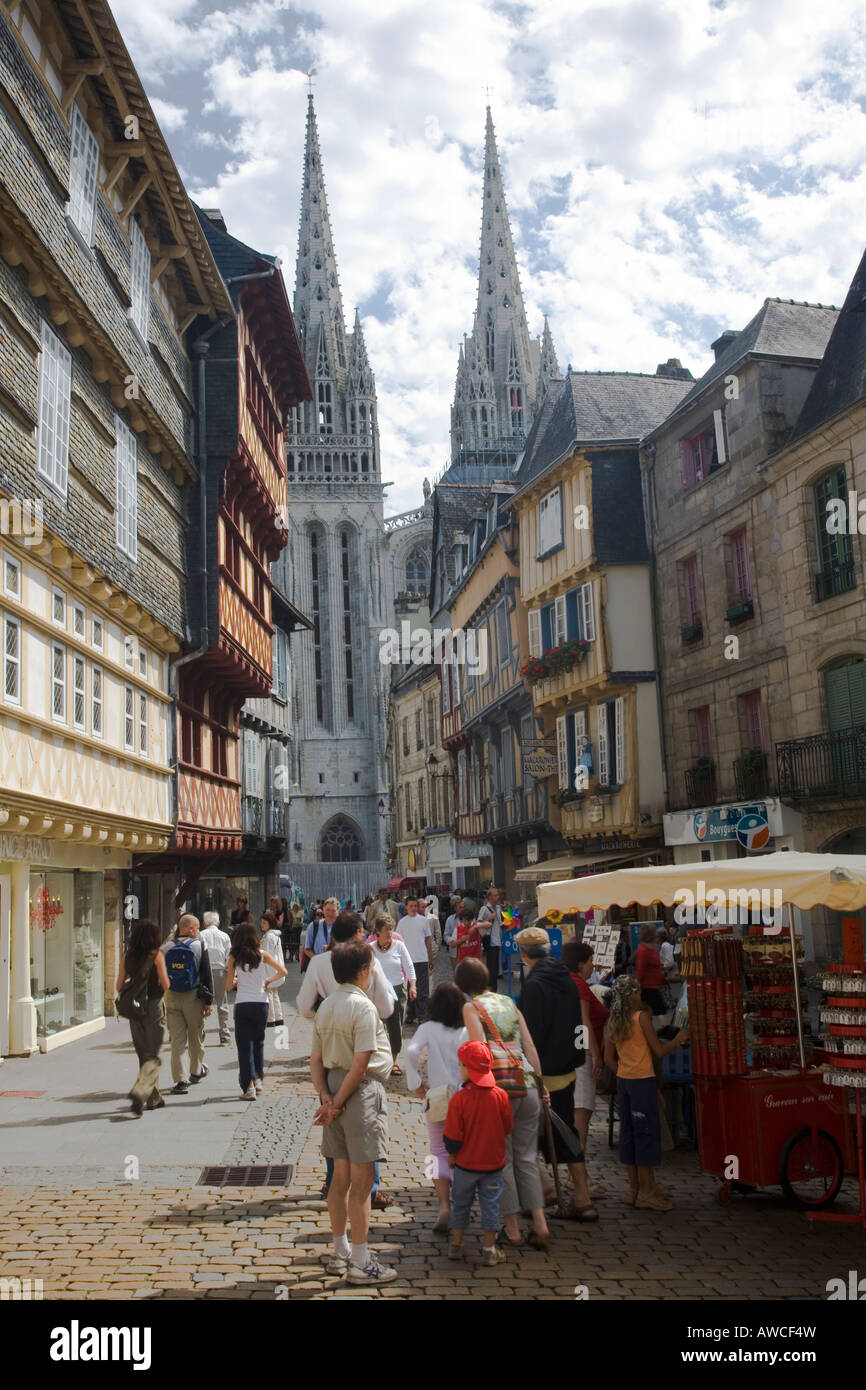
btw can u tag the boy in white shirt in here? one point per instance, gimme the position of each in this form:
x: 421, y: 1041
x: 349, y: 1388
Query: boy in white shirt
x: 416, y: 932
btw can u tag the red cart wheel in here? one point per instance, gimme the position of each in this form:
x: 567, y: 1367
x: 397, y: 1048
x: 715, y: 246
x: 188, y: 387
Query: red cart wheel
x: 810, y: 1172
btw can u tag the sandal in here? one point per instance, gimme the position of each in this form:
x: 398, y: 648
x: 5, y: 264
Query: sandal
x: 396, y: 1071
x: 505, y: 1239
x: 584, y: 1214
x: 536, y: 1241
x: 382, y: 1201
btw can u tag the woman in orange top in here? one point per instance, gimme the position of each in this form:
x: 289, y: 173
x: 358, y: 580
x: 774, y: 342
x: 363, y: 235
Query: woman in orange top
x: 468, y: 937
x: 631, y: 1045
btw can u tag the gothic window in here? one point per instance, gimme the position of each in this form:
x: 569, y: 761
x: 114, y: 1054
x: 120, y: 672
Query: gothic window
x: 338, y: 334
x: 316, y: 233
x: 340, y: 842
x: 485, y: 428
x: 499, y: 241
x: 489, y: 257
x: 315, y: 198
x: 506, y: 302
x: 513, y: 365
x: 516, y: 409
x: 347, y: 624
x: 318, y: 583
x: 362, y: 419
x: 491, y: 343
x: 352, y: 420
x: 502, y: 270
x: 326, y: 414
x: 497, y: 207
x: 332, y: 280
x: 364, y: 463
x: 318, y: 261
x: 319, y: 293
x: 417, y: 573
x: 303, y: 277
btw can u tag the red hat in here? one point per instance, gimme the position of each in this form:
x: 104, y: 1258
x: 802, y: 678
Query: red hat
x: 477, y: 1059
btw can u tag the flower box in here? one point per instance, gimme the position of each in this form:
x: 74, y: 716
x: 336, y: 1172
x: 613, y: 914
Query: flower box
x: 555, y: 662
x: 740, y: 610
x: 692, y: 633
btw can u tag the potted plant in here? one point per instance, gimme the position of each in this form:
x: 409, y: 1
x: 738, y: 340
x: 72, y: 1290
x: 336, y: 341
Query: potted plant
x: 740, y: 609
x: 566, y: 795
x: 692, y: 632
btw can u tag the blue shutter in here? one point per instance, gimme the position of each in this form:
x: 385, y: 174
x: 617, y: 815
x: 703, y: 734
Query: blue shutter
x: 547, y: 627
x: 572, y: 622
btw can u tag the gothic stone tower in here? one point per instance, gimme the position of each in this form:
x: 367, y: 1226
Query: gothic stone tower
x: 502, y: 373
x: 335, y: 505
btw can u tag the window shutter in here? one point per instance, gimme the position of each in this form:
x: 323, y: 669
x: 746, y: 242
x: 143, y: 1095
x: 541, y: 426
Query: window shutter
x: 587, y: 613
x: 619, y: 727
x: 555, y: 513
x: 857, y: 691
x: 535, y: 632
x: 603, y: 766
x: 446, y: 691
x: 719, y: 422
x: 455, y: 675
x: 560, y: 620
x: 562, y: 750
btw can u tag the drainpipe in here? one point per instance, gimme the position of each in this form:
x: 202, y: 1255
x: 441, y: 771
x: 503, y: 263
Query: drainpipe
x: 648, y: 487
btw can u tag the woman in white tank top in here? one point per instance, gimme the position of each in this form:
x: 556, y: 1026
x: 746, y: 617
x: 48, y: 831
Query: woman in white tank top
x: 251, y: 970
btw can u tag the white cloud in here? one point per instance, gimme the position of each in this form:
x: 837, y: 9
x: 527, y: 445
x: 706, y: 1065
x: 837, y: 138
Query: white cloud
x: 170, y: 117
x: 706, y: 156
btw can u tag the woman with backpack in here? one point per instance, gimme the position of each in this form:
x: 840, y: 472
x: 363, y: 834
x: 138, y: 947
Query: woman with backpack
x: 249, y: 970
x: 141, y: 982
x: 495, y: 1019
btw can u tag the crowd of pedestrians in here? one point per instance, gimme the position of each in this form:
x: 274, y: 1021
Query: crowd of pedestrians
x: 508, y: 1089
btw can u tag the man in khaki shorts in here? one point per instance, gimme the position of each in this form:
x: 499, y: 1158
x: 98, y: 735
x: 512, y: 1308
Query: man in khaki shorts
x: 349, y: 1061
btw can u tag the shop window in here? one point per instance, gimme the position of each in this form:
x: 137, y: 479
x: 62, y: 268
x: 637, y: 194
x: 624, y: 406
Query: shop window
x: 66, y: 949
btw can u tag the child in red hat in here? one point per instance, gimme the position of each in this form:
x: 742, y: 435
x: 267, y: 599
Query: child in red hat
x: 478, y: 1122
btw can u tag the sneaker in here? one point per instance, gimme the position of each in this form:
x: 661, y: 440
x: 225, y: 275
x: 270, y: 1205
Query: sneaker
x: 180, y: 1089
x: 492, y: 1255
x: 260, y: 1086
x: 373, y: 1273
x: 201, y: 1076
x: 653, y: 1201
x: 337, y: 1264
x: 249, y: 1093
x: 455, y: 1252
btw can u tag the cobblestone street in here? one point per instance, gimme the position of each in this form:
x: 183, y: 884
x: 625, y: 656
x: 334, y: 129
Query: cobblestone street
x: 88, y: 1233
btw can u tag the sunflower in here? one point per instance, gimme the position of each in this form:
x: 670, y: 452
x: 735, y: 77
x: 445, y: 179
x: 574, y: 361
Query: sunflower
x: 554, y: 915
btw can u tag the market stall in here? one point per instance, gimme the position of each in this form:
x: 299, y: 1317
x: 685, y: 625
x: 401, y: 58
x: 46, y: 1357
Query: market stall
x: 766, y: 1112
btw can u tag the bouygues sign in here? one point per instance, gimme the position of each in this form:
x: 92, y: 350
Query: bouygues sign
x: 748, y: 825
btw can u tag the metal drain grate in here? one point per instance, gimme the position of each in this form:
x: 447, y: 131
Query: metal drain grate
x: 250, y: 1175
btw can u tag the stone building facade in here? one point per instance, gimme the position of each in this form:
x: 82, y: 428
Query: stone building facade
x: 718, y: 553
x: 103, y: 269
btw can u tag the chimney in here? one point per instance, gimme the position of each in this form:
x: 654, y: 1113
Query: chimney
x: 674, y: 369
x: 723, y: 341
x: 215, y: 216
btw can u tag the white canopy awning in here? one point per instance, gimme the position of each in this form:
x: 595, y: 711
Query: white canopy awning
x: 804, y: 880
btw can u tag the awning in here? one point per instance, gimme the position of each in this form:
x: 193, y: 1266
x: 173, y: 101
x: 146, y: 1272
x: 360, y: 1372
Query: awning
x: 804, y: 880
x: 566, y: 866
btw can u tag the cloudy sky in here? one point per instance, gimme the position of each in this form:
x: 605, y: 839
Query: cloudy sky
x: 668, y: 165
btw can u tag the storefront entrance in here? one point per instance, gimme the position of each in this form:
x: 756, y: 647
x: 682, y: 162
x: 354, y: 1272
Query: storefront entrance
x: 66, y: 949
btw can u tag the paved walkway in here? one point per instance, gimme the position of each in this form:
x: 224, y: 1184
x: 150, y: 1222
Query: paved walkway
x: 70, y: 1218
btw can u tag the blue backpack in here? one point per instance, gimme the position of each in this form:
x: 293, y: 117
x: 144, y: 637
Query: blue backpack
x: 181, y: 962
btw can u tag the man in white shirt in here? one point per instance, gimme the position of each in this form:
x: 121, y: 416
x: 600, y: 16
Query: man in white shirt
x: 416, y: 932
x: 490, y: 921
x: 318, y: 980
x: 450, y: 935
x: 219, y: 946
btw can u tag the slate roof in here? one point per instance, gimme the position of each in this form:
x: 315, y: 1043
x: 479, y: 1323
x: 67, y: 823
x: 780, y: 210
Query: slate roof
x: 233, y: 257
x: 454, y: 506
x: 595, y: 408
x: 841, y: 378
x: 780, y: 328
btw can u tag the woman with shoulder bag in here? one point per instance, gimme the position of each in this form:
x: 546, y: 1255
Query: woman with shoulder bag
x: 439, y: 1039
x: 495, y: 1019
x: 141, y: 982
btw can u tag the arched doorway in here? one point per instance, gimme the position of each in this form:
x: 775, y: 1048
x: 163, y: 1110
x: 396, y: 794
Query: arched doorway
x: 340, y: 842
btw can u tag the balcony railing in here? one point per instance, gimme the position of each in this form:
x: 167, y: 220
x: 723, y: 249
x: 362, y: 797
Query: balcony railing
x: 700, y: 788
x: 823, y: 765
x: 752, y: 776
x: 252, y: 812
x: 835, y: 579
x: 277, y: 819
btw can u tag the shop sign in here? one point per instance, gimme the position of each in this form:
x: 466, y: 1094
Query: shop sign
x: 532, y: 851
x: 748, y: 825
x: 26, y: 847
x: 540, y: 765
x: 411, y: 861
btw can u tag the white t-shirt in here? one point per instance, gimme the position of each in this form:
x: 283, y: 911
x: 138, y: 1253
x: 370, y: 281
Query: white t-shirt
x: 319, y: 983
x: 666, y: 953
x: 251, y: 983
x: 492, y: 917
x: 440, y: 1044
x: 219, y: 946
x: 396, y: 962
x: 415, y: 931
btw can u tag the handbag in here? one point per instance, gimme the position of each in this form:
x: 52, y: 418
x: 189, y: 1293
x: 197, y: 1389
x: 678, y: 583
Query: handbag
x: 507, y: 1069
x: 437, y: 1103
x: 131, y: 1001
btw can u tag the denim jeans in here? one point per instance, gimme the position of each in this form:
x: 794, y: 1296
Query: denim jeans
x: 250, y: 1021
x: 464, y: 1184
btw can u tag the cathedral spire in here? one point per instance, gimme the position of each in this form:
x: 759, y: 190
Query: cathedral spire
x: 318, y: 303
x: 549, y: 369
x: 500, y: 299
